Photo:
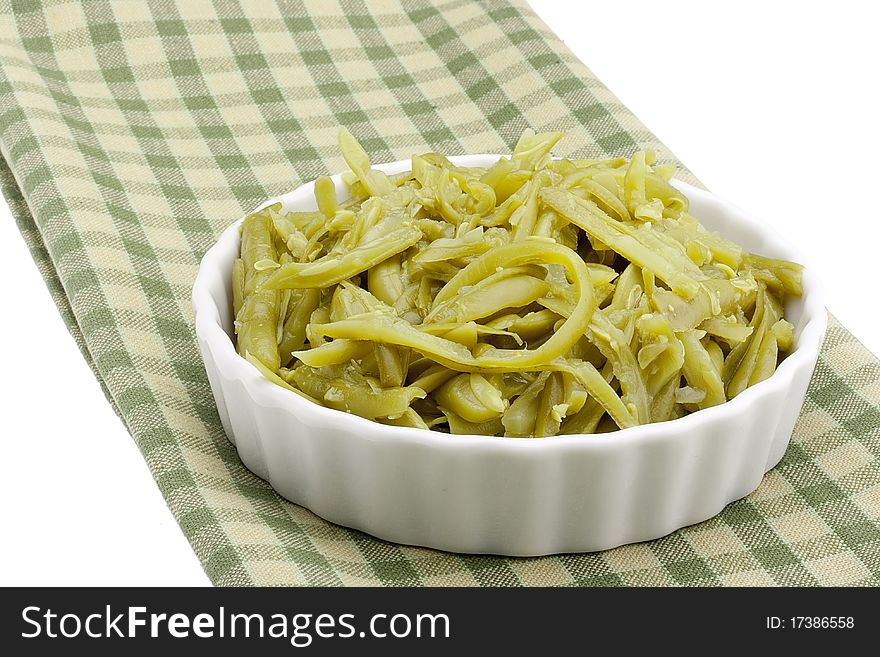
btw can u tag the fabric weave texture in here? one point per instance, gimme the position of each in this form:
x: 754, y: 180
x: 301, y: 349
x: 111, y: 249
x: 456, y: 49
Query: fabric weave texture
x: 133, y: 133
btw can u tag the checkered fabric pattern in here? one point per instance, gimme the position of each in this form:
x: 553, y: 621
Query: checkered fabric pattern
x: 133, y: 133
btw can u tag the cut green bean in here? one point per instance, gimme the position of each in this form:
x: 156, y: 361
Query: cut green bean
x: 256, y: 323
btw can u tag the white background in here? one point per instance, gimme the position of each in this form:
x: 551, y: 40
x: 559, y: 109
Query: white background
x: 773, y: 105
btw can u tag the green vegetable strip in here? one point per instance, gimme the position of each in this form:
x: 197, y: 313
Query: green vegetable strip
x: 634, y: 182
x: 747, y: 372
x: 658, y: 188
x: 701, y: 371
x: 337, y: 352
x: 784, y: 332
x: 551, y: 408
x: 434, y: 377
x: 356, y: 396
x: 301, y: 305
x: 386, y: 280
x: 474, y: 242
x: 614, y: 345
x: 471, y: 397
x: 484, y: 300
x: 716, y: 296
x: 519, y: 420
x: 782, y: 276
x: 274, y: 378
x: 716, y: 353
x: 392, y: 364
x: 325, y: 196
x: 580, y: 178
x: 626, y: 241
x: 468, y: 333
x: 531, y: 150
x: 726, y: 329
x: 574, y: 394
x: 600, y: 390
x: 586, y: 420
x: 256, y: 323
x: 525, y: 216
x: 380, y: 327
x: 533, y: 325
x: 765, y: 361
x: 688, y: 232
x: 664, y: 400
x: 375, y: 182
x: 458, y: 425
x: 740, y: 361
x: 661, y: 356
x: 319, y: 315
x: 410, y: 418
x: 237, y: 285
x: 331, y: 270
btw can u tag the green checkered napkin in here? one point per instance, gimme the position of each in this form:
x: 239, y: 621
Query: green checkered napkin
x: 133, y: 133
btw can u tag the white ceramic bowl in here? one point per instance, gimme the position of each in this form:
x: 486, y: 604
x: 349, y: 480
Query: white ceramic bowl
x: 510, y: 496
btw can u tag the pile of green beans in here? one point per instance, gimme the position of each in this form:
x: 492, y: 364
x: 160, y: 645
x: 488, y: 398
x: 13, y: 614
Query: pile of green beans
x: 532, y: 297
